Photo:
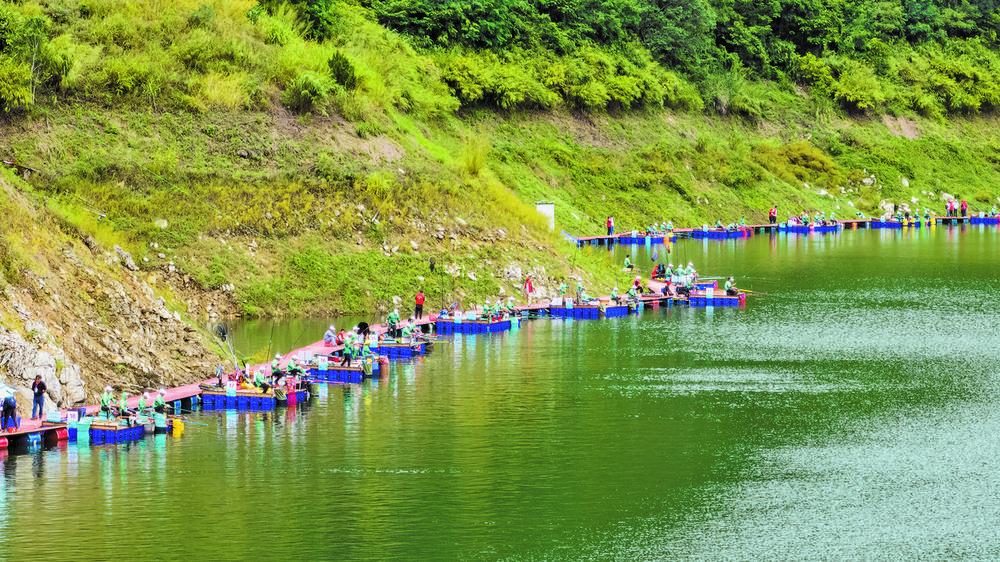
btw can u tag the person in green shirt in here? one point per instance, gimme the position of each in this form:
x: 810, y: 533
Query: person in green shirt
x: 160, y: 402
x: 579, y: 289
x: 106, y: 400
x: 511, y: 309
x: 730, y: 287
x: 121, y: 404
x: 632, y: 295
x: 718, y: 224
x: 407, y: 329
x: 628, y: 264
x: 260, y: 381
x: 348, y: 349
x: 833, y: 217
x: 615, y: 297
x: 743, y: 220
x: 393, y: 321
x: 562, y: 288
x: 670, y: 226
x: 143, y: 402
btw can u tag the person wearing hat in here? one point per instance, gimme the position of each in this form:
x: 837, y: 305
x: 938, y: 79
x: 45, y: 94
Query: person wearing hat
x: 160, y: 402
x: 615, y: 297
x: 330, y: 336
x: 730, y: 287
x: 579, y: 289
x: 38, y: 400
x: 106, y: 399
x: 143, y: 402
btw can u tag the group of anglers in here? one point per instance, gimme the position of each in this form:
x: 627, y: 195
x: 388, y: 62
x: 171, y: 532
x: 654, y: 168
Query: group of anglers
x: 118, y: 407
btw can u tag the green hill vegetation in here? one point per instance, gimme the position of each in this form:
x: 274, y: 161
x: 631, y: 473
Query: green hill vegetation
x: 315, y: 156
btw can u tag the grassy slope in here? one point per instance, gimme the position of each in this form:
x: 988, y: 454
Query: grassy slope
x: 299, y: 211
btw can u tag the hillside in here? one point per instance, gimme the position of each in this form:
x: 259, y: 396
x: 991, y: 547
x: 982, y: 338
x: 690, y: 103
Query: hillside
x: 318, y: 157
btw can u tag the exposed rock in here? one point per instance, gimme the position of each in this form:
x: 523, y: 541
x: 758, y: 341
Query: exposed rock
x: 125, y: 258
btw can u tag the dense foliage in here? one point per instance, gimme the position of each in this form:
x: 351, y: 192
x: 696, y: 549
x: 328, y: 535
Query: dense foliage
x: 430, y: 57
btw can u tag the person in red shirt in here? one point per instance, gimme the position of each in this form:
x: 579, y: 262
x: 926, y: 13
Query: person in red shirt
x: 772, y: 215
x: 964, y: 207
x: 418, y: 310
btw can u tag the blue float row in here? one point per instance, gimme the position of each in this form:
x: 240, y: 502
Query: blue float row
x: 615, y: 311
x: 338, y: 375
x: 991, y: 221
x: 402, y: 351
x: 588, y: 313
x: 446, y: 327
x: 102, y: 436
x: 802, y: 229
x: 221, y: 402
x: 644, y: 239
x: 714, y: 301
x: 719, y: 234
x: 894, y: 224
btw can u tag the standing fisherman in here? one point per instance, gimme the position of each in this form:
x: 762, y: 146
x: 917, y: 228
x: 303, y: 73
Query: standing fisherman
x: 418, y: 308
x: 38, y: 401
x: 392, y: 320
x: 528, y: 288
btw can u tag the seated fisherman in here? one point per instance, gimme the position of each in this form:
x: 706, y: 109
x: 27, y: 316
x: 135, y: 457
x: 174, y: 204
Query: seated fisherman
x: 160, y: 402
x: 260, y: 381
x: 730, y: 287
x: 107, y: 400
x: 330, y: 336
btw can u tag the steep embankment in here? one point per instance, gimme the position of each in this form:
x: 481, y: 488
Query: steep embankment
x: 82, y: 315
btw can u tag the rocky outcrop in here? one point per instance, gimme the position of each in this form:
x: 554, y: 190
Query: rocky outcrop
x: 89, y: 321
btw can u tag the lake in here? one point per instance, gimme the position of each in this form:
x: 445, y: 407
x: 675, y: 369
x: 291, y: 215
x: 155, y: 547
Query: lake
x: 852, y: 412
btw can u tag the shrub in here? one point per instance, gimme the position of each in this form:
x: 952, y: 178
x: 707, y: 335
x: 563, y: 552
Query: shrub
x: 342, y: 70
x: 305, y: 91
x: 202, y: 17
x: 858, y: 89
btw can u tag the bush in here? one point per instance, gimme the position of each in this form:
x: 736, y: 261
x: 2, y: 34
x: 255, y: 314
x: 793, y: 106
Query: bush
x: 15, y: 83
x: 342, y: 70
x: 306, y: 91
x: 858, y: 89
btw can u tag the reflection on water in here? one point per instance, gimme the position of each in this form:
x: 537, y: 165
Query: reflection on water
x: 850, y: 413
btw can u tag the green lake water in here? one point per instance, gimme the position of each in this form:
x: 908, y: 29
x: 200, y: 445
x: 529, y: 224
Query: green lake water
x: 851, y: 413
